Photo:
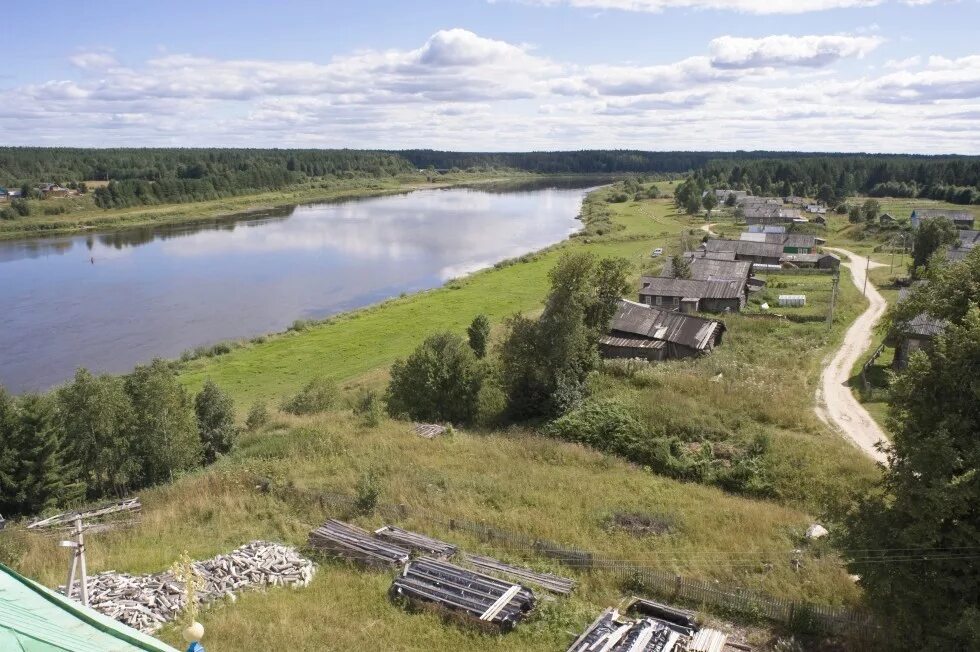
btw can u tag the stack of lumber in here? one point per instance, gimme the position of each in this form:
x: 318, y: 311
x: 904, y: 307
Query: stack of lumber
x: 350, y: 542
x: 428, y: 430
x: 416, y: 542
x: 547, y: 581
x: 463, y: 592
x: 612, y: 632
x: 147, y: 602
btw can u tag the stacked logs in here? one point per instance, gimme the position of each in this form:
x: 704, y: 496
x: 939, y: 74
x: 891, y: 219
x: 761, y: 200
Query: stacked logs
x: 147, y: 602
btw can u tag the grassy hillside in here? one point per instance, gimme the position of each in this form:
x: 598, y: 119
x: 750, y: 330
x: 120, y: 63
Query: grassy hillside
x: 760, y: 383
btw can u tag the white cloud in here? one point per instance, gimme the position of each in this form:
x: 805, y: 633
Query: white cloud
x: 461, y: 90
x: 785, y: 50
x: 93, y: 60
x: 746, y: 6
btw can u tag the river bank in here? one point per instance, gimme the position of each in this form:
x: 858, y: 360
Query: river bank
x: 83, y: 216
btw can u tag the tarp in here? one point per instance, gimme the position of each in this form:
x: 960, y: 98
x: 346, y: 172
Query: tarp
x: 34, y: 618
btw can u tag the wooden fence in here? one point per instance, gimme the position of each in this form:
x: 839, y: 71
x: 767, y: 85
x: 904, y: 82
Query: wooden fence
x: 865, y: 385
x: 638, y: 578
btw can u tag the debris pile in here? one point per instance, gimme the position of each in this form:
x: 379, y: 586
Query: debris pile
x: 463, y: 592
x: 648, y: 627
x: 428, y: 430
x: 147, y: 602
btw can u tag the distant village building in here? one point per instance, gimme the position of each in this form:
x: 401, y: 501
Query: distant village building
x: 692, y: 295
x: 4, y: 194
x: 53, y: 190
x: 968, y: 240
x: 816, y: 209
x: 766, y: 228
x: 722, y: 195
x: 711, y: 269
x: 918, y: 333
x: 886, y: 219
x: 792, y: 243
x: 962, y: 219
x: 811, y: 261
x: 756, y: 252
x: 794, y: 200
x: 639, y: 331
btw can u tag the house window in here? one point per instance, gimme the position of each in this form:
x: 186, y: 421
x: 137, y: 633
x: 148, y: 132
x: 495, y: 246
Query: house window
x: 659, y: 300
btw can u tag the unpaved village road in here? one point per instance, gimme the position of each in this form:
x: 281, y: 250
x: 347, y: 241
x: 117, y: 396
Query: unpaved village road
x: 836, y: 404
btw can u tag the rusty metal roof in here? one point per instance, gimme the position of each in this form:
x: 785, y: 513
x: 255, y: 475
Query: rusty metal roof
x: 633, y: 318
x: 709, y: 269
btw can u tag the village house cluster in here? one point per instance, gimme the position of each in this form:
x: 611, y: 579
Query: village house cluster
x: 44, y: 191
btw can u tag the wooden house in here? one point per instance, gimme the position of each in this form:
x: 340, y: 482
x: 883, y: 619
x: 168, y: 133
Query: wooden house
x: 640, y: 331
x: 689, y: 295
x: 961, y: 219
x: 756, y: 252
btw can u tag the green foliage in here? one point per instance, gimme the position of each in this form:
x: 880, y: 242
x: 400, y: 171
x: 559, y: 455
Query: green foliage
x: 479, y: 335
x: 367, y: 493
x: 258, y: 416
x: 618, y: 198
x: 544, y: 363
x: 35, y: 473
x: 681, y: 266
x: 20, y: 207
x: 96, y: 421
x: 709, y: 201
x: 932, y: 236
x: 371, y: 408
x: 163, y: 422
x: 318, y: 395
x: 855, y: 215
x: 929, y: 496
x: 870, y: 209
x: 439, y: 381
x: 731, y: 200
x: 215, y: 411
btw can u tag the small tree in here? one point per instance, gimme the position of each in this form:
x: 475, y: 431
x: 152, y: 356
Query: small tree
x: 258, y: 416
x: 855, y: 215
x: 439, y: 381
x: 709, y: 202
x: 692, y: 205
x: 932, y: 236
x: 681, y: 266
x: 731, y: 200
x: 870, y: 210
x: 215, y: 411
x: 164, y: 423
x: 318, y: 395
x: 479, y: 335
x: 825, y: 194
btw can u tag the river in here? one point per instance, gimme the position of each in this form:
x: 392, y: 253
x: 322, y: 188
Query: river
x: 111, y: 301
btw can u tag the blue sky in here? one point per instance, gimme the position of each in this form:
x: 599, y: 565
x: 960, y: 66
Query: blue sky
x: 870, y: 75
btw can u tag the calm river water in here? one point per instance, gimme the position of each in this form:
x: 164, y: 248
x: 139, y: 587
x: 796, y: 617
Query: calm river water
x: 111, y: 301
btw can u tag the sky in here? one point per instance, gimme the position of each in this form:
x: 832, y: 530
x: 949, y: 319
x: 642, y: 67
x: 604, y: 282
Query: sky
x: 494, y: 75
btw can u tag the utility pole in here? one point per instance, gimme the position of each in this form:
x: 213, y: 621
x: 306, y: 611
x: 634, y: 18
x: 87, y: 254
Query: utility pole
x: 867, y: 266
x: 77, y: 562
x: 833, y: 300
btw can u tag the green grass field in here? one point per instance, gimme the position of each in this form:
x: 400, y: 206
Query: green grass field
x: 761, y: 381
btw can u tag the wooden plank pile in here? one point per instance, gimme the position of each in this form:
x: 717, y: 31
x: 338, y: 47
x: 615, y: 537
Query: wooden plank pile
x: 463, y: 592
x: 613, y: 632
x: 128, y: 505
x: 350, y: 542
x: 547, y: 581
x: 416, y: 542
x: 147, y: 602
x: 428, y: 430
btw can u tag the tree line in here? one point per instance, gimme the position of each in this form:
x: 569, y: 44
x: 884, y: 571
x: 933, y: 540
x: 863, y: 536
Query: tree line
x: 104, y: 436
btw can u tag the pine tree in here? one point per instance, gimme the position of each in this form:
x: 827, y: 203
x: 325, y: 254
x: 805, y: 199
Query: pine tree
x: 479, y: 335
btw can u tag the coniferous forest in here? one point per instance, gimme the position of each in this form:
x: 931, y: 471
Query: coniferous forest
x: 154, y: 176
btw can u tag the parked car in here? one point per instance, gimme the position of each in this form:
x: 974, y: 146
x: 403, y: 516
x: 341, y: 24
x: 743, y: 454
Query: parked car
x: 657, y: 252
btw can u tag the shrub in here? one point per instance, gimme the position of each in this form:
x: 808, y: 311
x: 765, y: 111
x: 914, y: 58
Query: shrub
x: 618, y: 198
x: 370, y: 407
x: 439, y: 381
x: 367, y: 493
x: 215, y: 412
x: 479, y: 335
x: 319, y: 395
x: 258, y: 416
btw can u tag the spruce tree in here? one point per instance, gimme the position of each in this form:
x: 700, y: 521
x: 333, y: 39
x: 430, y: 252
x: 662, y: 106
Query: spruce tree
x: 215, y: 412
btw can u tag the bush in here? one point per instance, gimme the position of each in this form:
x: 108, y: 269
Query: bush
x: 319, y: 395
x: 439, y: 381
x: 368, y: 493
x: 618, y: 198
x: 370, y: 407
x: 258, y: 416
x: 215, y: 412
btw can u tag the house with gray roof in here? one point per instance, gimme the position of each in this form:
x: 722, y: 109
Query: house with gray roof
x: 645, y: 332
x: 755, y: 252
x: 914, y: 335
x: 693, y: 295
x: 961, y: 219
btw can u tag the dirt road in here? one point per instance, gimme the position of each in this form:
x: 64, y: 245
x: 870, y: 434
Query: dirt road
x: 836, y: 404
x: 707, y: 229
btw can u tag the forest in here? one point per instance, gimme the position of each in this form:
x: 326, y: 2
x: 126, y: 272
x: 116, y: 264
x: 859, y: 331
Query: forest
x: 154, y: 176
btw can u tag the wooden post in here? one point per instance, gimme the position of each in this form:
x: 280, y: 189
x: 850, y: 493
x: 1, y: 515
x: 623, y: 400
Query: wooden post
x: 80, y: 552
x: 71, y: 573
